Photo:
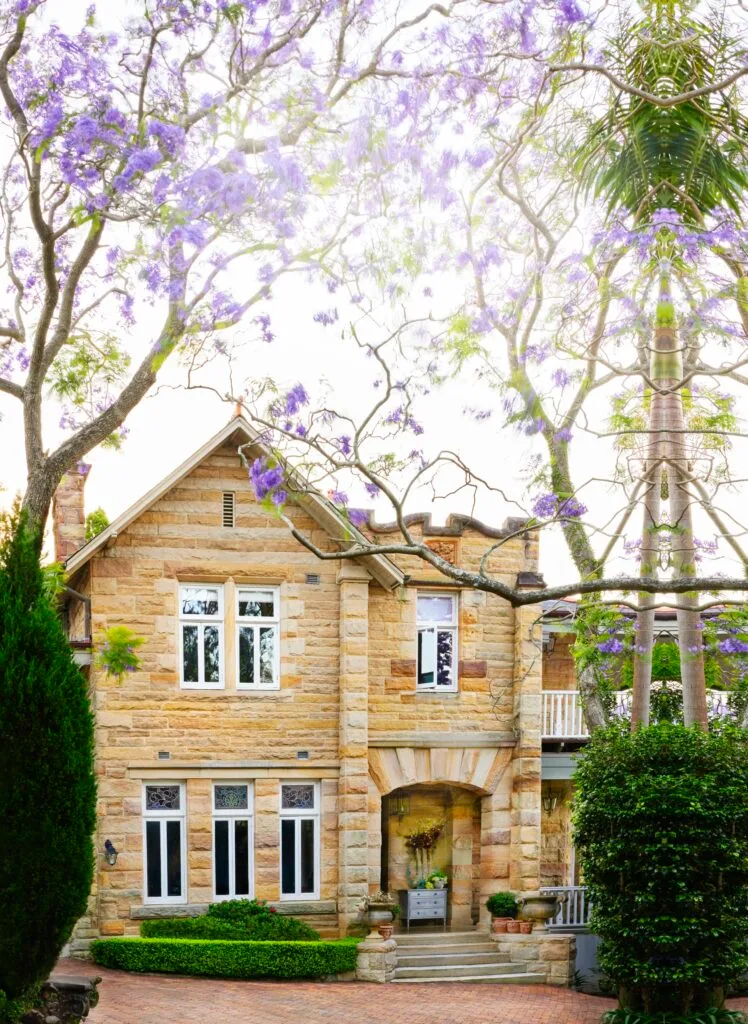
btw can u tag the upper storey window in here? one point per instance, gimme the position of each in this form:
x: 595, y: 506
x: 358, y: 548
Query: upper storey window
x: 257, y: 628
x: 201, y: 635
x: 437, y: 641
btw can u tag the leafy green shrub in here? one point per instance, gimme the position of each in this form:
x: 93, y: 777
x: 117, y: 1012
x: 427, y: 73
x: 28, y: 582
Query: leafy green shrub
x: 47, y: 785
x: 709, y: 1016
x: 661, y: 823
x: 238, y: 910
x: 502, y: 904
x: 96, y: 522
x: 268, y: 927
x: 220, y: 959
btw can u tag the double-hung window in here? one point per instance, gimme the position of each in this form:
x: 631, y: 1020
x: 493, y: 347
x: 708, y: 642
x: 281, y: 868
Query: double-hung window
x: 437, y: 641
x: 232, y: 840
x: 164, y: 842
x: 201, y: 635
x: 299, y: 822
x: 257, y: 628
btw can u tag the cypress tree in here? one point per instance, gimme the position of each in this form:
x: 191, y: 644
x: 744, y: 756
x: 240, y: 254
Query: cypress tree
x: 47, y: 784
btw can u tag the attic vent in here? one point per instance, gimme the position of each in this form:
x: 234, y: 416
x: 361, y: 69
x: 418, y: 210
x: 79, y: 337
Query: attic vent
x: 313, y: 578
x: 229, y: 508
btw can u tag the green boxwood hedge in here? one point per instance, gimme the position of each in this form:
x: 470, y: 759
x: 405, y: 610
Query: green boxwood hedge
x: 273, y: 928
x: 232, y: 959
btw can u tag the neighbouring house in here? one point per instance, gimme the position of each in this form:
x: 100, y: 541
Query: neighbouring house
x: 293, y: 719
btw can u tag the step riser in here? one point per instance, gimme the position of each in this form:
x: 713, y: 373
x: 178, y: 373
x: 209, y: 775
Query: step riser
x: 464, y: 949
x: 435, y: 939
x: 499, y: 979
x: 450, y: 960
x: 451, y: 973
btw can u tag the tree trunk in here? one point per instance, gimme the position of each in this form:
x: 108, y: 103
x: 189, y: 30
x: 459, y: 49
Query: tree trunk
x: 668, y: 376
x: 595, y: 714
x: 41, y: 485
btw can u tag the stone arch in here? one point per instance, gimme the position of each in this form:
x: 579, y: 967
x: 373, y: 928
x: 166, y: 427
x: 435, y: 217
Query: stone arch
x: 477, y: 768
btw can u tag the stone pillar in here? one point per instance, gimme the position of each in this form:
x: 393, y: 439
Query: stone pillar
x: 375, y: 837
x: 267, y: 839
x: 353, y: 785
x: 199, y: 841
x: 496, y: 835
x: 550, y: 953
x: 376, y: 960
x: 524, y: 875
x: 462, y: 860
x: 68, y: 512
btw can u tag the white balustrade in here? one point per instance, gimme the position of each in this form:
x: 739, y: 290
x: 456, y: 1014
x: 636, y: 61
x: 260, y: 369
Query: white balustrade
x: 574, y: 912
x: 563, y: 718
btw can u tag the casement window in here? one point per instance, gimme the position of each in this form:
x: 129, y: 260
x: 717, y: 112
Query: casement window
x: 299, y: 824
x: 437, y: 641
x: 257, y: 636
x: 232, y: 840
x: 164, y: 842
x: 201, y: 635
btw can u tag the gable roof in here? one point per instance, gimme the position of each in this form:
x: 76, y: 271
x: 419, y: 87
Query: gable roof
x: 238, y: 429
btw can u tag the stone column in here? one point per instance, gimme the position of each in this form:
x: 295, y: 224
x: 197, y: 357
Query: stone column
x: 267, y: 839
x: 462, y: 860
x: 524, y: 875
x: 496, y: 834
x: 353, y: 786
x: 199, y: 841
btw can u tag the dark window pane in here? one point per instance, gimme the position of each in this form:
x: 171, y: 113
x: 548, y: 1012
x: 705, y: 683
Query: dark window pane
x: 425, y: 657
x: 153, y: 858
x: 258, y: 602
x: 189, y: 653
x: 267, y: 655
x: 212, y: 658
x: 288, y: 856
x: 445, y: 658
x: 241, y: 857
x: 173, y: 858
x: 307, y: 855
x: 246, y: 654
x: 221, y: 854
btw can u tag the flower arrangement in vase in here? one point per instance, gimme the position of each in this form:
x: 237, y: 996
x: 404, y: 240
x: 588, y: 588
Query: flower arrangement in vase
x: 422, y: 839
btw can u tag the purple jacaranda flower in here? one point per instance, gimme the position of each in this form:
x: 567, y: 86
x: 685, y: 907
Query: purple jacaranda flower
x: 338, y: 497
x: 295, y: 399
x: 326, y: 317
x: 264, y: 478
x: 372, y: 490
x: 358, y: 516
x: 733, y: 646
x: 611, y: 646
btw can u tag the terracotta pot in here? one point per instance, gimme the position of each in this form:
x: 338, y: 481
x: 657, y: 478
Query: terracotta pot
x: 498, y: 925
x: 525, y: 927
x: 512, y: 926
x: 385, y: 930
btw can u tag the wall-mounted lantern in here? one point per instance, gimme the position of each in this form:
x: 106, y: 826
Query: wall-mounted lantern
x: 399, y: 805
x: 110, y: 853
x: 549, y: 798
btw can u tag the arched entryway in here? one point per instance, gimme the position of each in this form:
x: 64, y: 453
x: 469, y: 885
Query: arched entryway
x: 456, y: 851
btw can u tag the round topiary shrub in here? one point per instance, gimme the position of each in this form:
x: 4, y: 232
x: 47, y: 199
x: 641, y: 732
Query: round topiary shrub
x: 47, y: 785
x: 661, y: 824
x: 502, y: 904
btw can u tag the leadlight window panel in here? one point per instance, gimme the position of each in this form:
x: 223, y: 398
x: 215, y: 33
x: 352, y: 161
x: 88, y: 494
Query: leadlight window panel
x: 258, y: 651
x: 298, y: 796
x: 165, y: 798
x: 231, y: 797
x: 437, y: 641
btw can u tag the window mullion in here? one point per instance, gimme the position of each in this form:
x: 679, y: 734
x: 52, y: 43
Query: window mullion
x: 201, y: 653
x: 256, y: 652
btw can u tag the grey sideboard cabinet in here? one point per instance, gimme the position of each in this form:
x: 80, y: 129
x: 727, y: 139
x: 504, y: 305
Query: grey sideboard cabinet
x: 423, y: 905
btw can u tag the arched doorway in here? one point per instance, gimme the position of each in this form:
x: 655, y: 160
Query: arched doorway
x: 456, y: 852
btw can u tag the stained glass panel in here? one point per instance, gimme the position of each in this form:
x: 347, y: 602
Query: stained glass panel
x: 162, y: 798
x: 297, y: 797
x: 231, y: 798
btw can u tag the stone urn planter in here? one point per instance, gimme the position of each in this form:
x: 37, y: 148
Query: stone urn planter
x: 540, y: 907
x: 380, y: 913
x: 65, y: 1001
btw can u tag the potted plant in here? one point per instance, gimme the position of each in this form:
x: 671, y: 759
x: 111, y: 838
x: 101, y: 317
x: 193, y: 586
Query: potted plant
x: 422, y: 839
x: 438, y: 879
x: 503, y: 908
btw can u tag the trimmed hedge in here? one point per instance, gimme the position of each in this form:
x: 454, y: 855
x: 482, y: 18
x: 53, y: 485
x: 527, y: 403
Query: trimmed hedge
x: 267, y: 927
x: 222, y: 959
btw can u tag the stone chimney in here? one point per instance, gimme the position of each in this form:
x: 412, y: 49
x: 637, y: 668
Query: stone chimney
x: 68, y: 512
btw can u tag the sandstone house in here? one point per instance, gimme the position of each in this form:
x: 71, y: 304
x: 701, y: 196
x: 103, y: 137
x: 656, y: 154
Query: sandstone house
x: 292, y: 717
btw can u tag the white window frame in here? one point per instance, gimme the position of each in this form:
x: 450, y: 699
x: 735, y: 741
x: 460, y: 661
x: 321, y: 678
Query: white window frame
x: 232, y: 816
x: 298, y: 815
x: 429, y: 629
x: 163, y: 817
x: 256, y: 621
x: 201, y: 621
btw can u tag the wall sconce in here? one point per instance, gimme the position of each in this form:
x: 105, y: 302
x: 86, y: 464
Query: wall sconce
x: 399, y: 805
x: 549, y: 799
x: 110, y: 853
x: 549, y: 642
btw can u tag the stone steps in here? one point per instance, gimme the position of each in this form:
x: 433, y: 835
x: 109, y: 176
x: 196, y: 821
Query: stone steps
x: 457, y: 957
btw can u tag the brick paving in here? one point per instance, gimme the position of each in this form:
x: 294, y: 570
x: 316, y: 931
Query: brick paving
x: 162, y: 999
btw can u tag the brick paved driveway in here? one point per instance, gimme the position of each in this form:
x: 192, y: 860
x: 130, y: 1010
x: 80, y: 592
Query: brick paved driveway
x: 161, y: 999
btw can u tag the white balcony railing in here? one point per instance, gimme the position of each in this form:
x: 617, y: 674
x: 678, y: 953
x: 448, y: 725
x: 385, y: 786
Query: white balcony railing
x: 574, y: 912
x: 563, y: 718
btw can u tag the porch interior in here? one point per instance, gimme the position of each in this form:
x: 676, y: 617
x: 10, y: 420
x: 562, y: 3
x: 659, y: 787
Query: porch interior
x: 456, y: 852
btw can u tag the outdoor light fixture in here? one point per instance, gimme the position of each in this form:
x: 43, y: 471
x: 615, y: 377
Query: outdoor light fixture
x: 549, y: 799
x: 110, y: 853
x: 399, y: 805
